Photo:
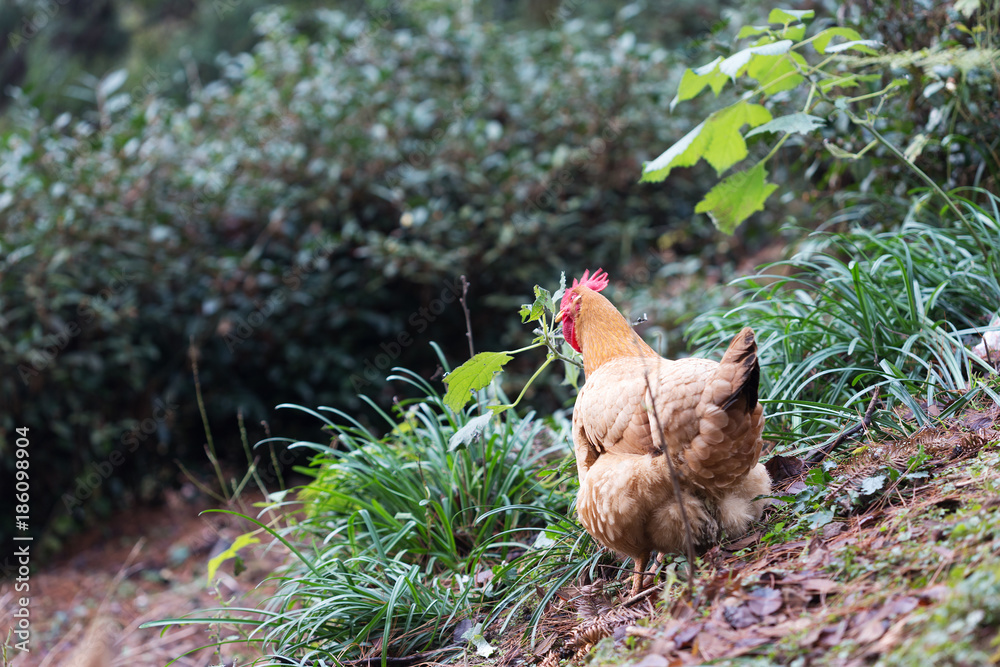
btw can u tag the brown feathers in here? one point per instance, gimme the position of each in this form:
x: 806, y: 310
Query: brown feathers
x: 707, y: 420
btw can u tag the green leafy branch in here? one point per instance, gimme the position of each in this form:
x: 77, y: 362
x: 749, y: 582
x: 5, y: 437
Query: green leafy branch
x: 775, y: 62
x: 478, y: 372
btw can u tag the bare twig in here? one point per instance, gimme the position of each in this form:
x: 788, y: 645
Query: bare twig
x: 193, y: 354
x: 826, y: 448
x: 468, y: 320
x: 642, y: 595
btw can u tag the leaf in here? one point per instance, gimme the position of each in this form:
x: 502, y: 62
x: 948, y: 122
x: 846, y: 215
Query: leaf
x: 822, y: 39
x: 873, y: 484
x: 916, y: 147
x: 820, y: 518
x: 469, y: 433
x: 535, y: 311
x: 787, y: 16
x: 717, y: 139
x: 243, y: 540
x: 684, y: 153
x: 764, y: 601
x: 777, y: 73
x: 736, y: 198
x: 694, y: 81
x: 572, y: 370
x: 111, y: 83
x: 734, y: 65
x: 473, y: 375
x: 967, y: 7
x: 752, y: 31
x: 475, y: 637
x: 794, y: 32
x: 800, y: 123
x: 864, y: 45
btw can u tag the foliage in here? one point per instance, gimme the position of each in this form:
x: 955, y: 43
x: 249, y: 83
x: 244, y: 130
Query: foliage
x: 303, y: 222
x: 860, y: 310
x: 396, y: 544
x: 774, y: 69
x: 478, y: 372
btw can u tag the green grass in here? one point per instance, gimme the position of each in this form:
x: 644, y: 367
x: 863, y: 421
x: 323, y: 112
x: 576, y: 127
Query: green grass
x: 468, y: 516
x: 397, y: 538
x: 860, y: 310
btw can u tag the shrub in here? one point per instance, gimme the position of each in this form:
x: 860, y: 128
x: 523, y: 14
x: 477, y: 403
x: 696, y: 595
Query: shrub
x: 396, y: 544
x: 303, y: 222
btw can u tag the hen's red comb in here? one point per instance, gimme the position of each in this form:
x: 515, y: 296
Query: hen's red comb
x: 596, y: 282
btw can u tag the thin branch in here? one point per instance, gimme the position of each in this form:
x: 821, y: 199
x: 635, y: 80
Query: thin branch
x: 468, y: 320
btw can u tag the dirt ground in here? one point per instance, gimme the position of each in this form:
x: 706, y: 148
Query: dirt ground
x: 145, y: 565
x: 902, y: 572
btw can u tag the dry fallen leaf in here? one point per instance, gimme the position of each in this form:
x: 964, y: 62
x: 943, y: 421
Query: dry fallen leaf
x: 764, y: 601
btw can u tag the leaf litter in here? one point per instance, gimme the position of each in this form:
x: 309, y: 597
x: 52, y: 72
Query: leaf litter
x: 910, y: 520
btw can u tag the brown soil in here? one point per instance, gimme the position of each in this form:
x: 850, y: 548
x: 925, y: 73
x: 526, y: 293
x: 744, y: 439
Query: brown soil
x: 863, y: 584
x: 146, y: 564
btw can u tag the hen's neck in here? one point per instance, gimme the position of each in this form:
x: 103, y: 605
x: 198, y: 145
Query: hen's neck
x: 604, y: 334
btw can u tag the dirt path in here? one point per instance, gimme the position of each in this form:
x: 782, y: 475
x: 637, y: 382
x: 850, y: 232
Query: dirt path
x: 144, y: 565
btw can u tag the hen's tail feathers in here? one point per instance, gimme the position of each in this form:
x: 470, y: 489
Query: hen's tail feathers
x: 741, y: 360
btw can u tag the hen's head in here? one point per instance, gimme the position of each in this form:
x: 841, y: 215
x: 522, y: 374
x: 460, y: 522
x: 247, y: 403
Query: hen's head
x: 569, y: 309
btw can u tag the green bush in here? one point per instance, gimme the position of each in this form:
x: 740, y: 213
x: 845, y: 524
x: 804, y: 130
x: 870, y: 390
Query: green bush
x: 303, y: 221
x: 396, y: 540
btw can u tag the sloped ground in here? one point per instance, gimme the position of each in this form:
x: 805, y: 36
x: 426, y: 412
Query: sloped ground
x: 864, y: 566
x: 145, y: 565
x: 908, y: 573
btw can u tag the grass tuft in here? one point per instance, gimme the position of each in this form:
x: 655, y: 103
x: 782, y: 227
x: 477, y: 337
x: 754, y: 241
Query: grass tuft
x: 860, y: 310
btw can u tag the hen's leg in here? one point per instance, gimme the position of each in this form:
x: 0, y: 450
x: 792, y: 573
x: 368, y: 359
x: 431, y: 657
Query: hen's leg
x: 637, y: 576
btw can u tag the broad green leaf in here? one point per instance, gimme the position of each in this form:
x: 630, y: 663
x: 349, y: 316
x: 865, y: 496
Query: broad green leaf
x: 469, y: 433
x: 736, y: 64
x: 232, y: 552
x: 820, y: 518
x: 800, y: 123
x: 864, y: 45
x: 725, y: 145
x: 787, y: 16
x: 534, y: 312
x: 752, y: 31
x: 794, y: 32
x: 694, y: 81
x: 572, y: 370
x: 684, y: 153
x: 777, y: 73
x: 473, y: 375
x: 821, y: 40
x: 718, y: 139
x: 736, y: 198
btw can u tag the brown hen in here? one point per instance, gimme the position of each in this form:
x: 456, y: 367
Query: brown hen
x: 636, y: 409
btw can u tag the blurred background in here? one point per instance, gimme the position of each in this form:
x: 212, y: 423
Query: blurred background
x: 284, y: 197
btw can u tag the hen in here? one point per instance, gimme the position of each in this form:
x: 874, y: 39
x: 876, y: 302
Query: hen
x: 636, y: 409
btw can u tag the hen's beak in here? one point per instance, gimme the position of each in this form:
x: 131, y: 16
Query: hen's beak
x: 560, y: 315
